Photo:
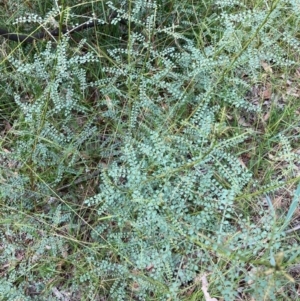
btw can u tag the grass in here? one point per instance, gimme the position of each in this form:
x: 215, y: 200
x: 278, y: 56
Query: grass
x: 51, y: 237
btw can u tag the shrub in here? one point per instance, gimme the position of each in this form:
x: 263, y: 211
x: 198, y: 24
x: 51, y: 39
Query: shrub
x: 166, y: 209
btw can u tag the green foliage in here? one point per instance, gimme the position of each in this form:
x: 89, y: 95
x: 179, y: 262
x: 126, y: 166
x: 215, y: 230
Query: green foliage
x: 167, y: 208
x: 49, y: 138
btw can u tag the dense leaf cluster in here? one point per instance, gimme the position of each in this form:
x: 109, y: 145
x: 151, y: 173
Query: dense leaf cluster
x: 166, y: 207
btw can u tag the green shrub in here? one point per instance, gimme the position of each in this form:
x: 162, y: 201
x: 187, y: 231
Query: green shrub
x: 166, y: 210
